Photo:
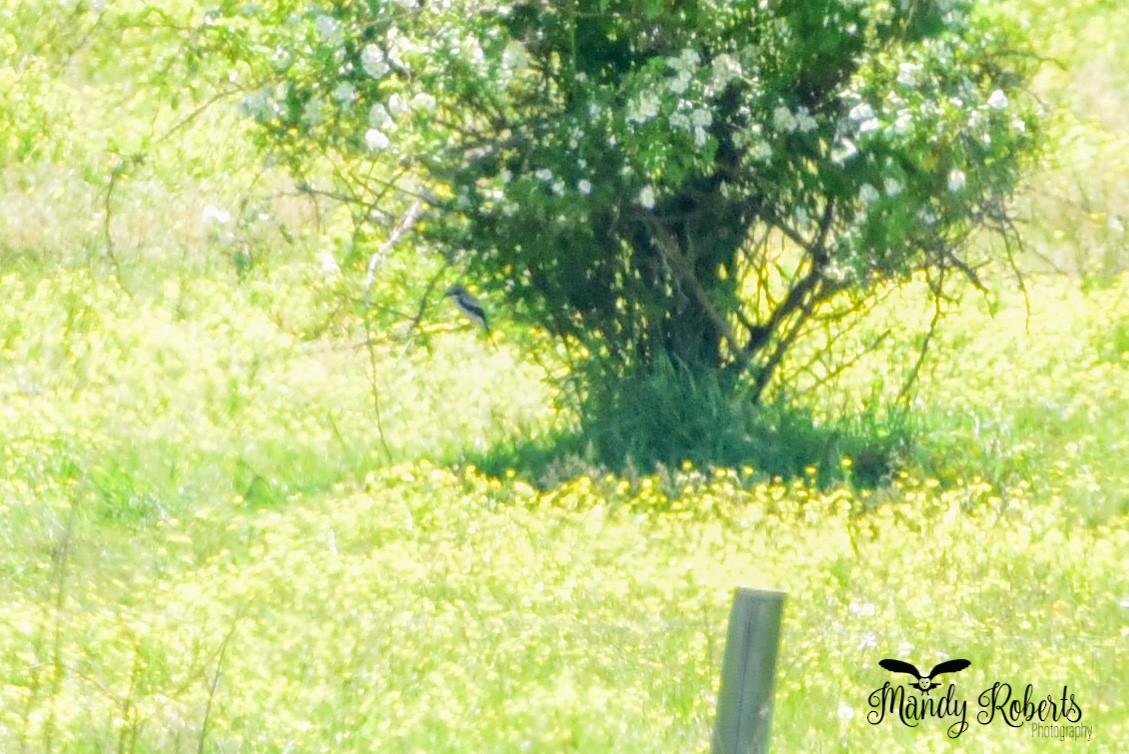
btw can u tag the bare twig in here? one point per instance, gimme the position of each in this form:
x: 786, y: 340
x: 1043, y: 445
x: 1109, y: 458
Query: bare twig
x: 370, y: 342
x: 421, y: 310
x: 215, y: 685
x: 684, y: 272
x: 406, y: 222
x: 938, y: 288
x: 59, y: 577
x: 782, y: 346
x: 844, y: 366
x: 107, y: 215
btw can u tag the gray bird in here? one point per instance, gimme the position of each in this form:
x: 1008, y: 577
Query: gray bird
x: 468, y: 305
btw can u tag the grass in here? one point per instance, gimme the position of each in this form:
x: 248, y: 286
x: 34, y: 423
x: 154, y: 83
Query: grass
x: 209, y: 542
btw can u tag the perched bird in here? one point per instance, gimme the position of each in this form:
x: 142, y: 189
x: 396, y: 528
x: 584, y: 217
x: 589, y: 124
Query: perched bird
x: 468, y: 305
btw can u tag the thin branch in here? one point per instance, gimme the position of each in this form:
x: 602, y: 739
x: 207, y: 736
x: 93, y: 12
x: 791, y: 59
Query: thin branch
x: 375, y: 386
x: 421, y: 310
x: 671, y: 253
x: 405, y: 224
x: 59, y: 579
x: 214, y: 685
x: 843, y: 367
x: 782, y: 347
x: 938, y: 288
x: 1009, y: 232
x: 196, y: 113
x: 107, y: 215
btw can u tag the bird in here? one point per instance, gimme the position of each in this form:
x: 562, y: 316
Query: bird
x: 924, y: 682
x: 468, y: 305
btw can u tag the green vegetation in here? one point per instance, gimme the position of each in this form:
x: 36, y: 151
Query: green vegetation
x: 241, y: 510
x: 659, y: 183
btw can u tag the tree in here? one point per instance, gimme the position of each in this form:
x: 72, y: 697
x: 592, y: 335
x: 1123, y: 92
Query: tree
x: 625, y: 172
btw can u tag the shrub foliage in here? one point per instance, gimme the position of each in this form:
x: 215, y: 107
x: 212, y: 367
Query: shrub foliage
x: 655, y: 179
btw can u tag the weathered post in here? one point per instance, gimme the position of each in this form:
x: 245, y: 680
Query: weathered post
x: 744, y: 704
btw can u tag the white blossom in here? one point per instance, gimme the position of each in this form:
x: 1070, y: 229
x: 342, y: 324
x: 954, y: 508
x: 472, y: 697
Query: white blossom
x: 423, y: 101
x: 760, y: 151
x: 647, y: 197
x: 843, y: 150
x: 345, y: 93
x: 863, y: 608
x: 701, y: 119
x: 836, y: 272
x: 903, y: 122
x: 472, y: 51
x: 893, y: 188
x: 804, y: 121
x: 399, y: 45
x: 684, y: 67
x: 957, y: 180
x: 214, y: 214
x: 998, y: 100
x: 514, y: 57
x: 505, y: 175
x: 372, y: 60
x: 378, y: 116
x: 396, y: 105
x: 328, y: 29
x: 312, y: 112
x: 584, y: 186
x: 544, y: 174
x: 783, y: 119
x: 376, y: 139
x: 725, y: 69
x: 868, y: 194
x: 644, y: 108
x: 259, y: 103
x: 862, y: 115
x: 908, y: 73
x: 328, y: 265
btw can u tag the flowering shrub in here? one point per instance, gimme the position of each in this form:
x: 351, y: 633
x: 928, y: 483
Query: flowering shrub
x: 623, y: 170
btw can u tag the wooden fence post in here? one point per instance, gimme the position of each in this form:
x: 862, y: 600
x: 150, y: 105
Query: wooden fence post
x: 744, y: 704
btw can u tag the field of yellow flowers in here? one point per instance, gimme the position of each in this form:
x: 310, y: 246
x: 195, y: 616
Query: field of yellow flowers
x: 204, y: 540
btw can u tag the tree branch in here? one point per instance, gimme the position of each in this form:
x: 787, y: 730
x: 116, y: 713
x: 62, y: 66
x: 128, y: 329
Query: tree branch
x: 406, y: 222
x: 668, y: 247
